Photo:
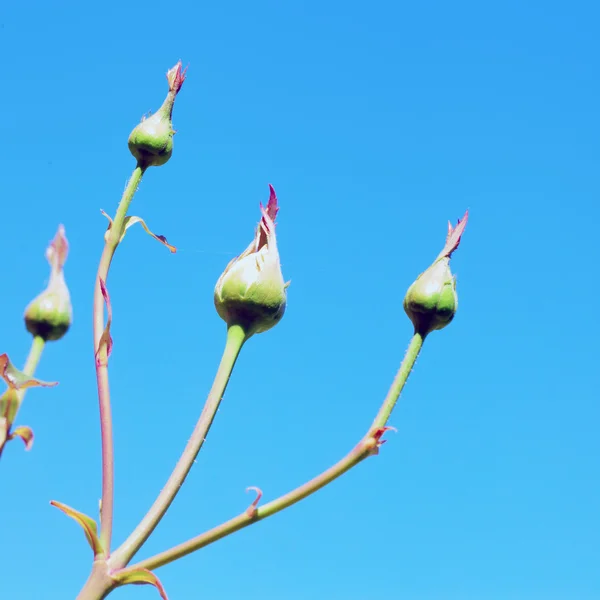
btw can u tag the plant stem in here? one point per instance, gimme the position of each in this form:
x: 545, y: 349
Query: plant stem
x: 101, y: 359
x: 236, y: 336
x: 410, y: 358
x: 368, y: 446
x: 33, y: 358
x: 99, y: 583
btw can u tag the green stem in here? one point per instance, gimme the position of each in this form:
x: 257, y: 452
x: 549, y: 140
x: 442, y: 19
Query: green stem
x: 101, y: 358
x: 236, y: 337
x: 11, y: 405
x: 368, y: 446
x: 410, y: 358
x: 33, y: 359
x: 99, y: 583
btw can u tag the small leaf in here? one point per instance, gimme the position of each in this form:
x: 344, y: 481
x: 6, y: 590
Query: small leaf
x: 138, y: 576
x: 251, y: 510
x: 129, y: 221
x: 25, y: 433
x: 105, y: 338
x: 110, y: 224
x: 9, y: 405
x: 89, y: 526
x: 17, y: 380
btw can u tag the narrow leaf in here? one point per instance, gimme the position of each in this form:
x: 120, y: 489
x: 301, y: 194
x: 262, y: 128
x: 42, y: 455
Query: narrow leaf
x: 25, y: 433
x: 129, y: 221
x: 9, y: 405
x: 105, y: 339
x: 17, y: 380
x: 139, y: 576
x: 89, y: 526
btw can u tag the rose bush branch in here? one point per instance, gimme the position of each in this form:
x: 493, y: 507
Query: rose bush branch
x: 431, y: 303
x: 250, y: 296
x: 368, y: 446
x: 47, y: 317
x: 151, y: 143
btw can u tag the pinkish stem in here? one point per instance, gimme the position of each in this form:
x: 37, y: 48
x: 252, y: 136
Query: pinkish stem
x: 101, y: 361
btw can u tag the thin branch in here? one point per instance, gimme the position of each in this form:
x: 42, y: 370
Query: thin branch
x: 236, y: 337
x: 101, y: 359
x: 368, y: 446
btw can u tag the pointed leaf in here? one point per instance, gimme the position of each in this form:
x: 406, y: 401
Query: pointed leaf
x: 129, y: 221
x: 25, y: 433
x: 105, y: 338
x: 139, y: 576
x: 17, y: 380
x: 9, y: 405
x: 89, y: 526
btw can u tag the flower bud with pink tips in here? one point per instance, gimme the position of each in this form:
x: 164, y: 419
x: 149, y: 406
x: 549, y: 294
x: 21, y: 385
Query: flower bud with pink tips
x: 151, y: 142
x: 251, y: 292
x: 49, y: 316
x: 431, y: 301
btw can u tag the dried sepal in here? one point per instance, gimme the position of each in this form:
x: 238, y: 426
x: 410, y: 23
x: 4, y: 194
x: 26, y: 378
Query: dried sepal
x: 17, y: 380
x: 138, y: 576
x: 87, y: 523
x: 454, y: 235
x: 176, y: 77
x: 129, y: 221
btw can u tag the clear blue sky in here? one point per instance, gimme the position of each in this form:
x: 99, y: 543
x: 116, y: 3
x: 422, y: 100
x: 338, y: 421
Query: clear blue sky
x: 376, y: 123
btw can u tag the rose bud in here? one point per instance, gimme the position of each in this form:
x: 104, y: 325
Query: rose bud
x: 151, y: 142
x: 431, y: 301
x: 251, y: 291
x: 49, y: 316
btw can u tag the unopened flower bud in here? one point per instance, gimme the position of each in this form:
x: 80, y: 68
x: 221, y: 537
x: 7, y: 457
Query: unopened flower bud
x: 251, y: 292
x: 151, y: 142
x: 431, y: 301
x: 49, y: 315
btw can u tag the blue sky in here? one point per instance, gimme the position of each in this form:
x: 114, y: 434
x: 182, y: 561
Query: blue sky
x: 376, y: 124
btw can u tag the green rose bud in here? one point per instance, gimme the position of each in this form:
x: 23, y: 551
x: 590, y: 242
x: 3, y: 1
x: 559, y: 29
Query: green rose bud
x: 251, y: 292
x: 151, y: 142
x: 431, y: 301
x: 49, y: 316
